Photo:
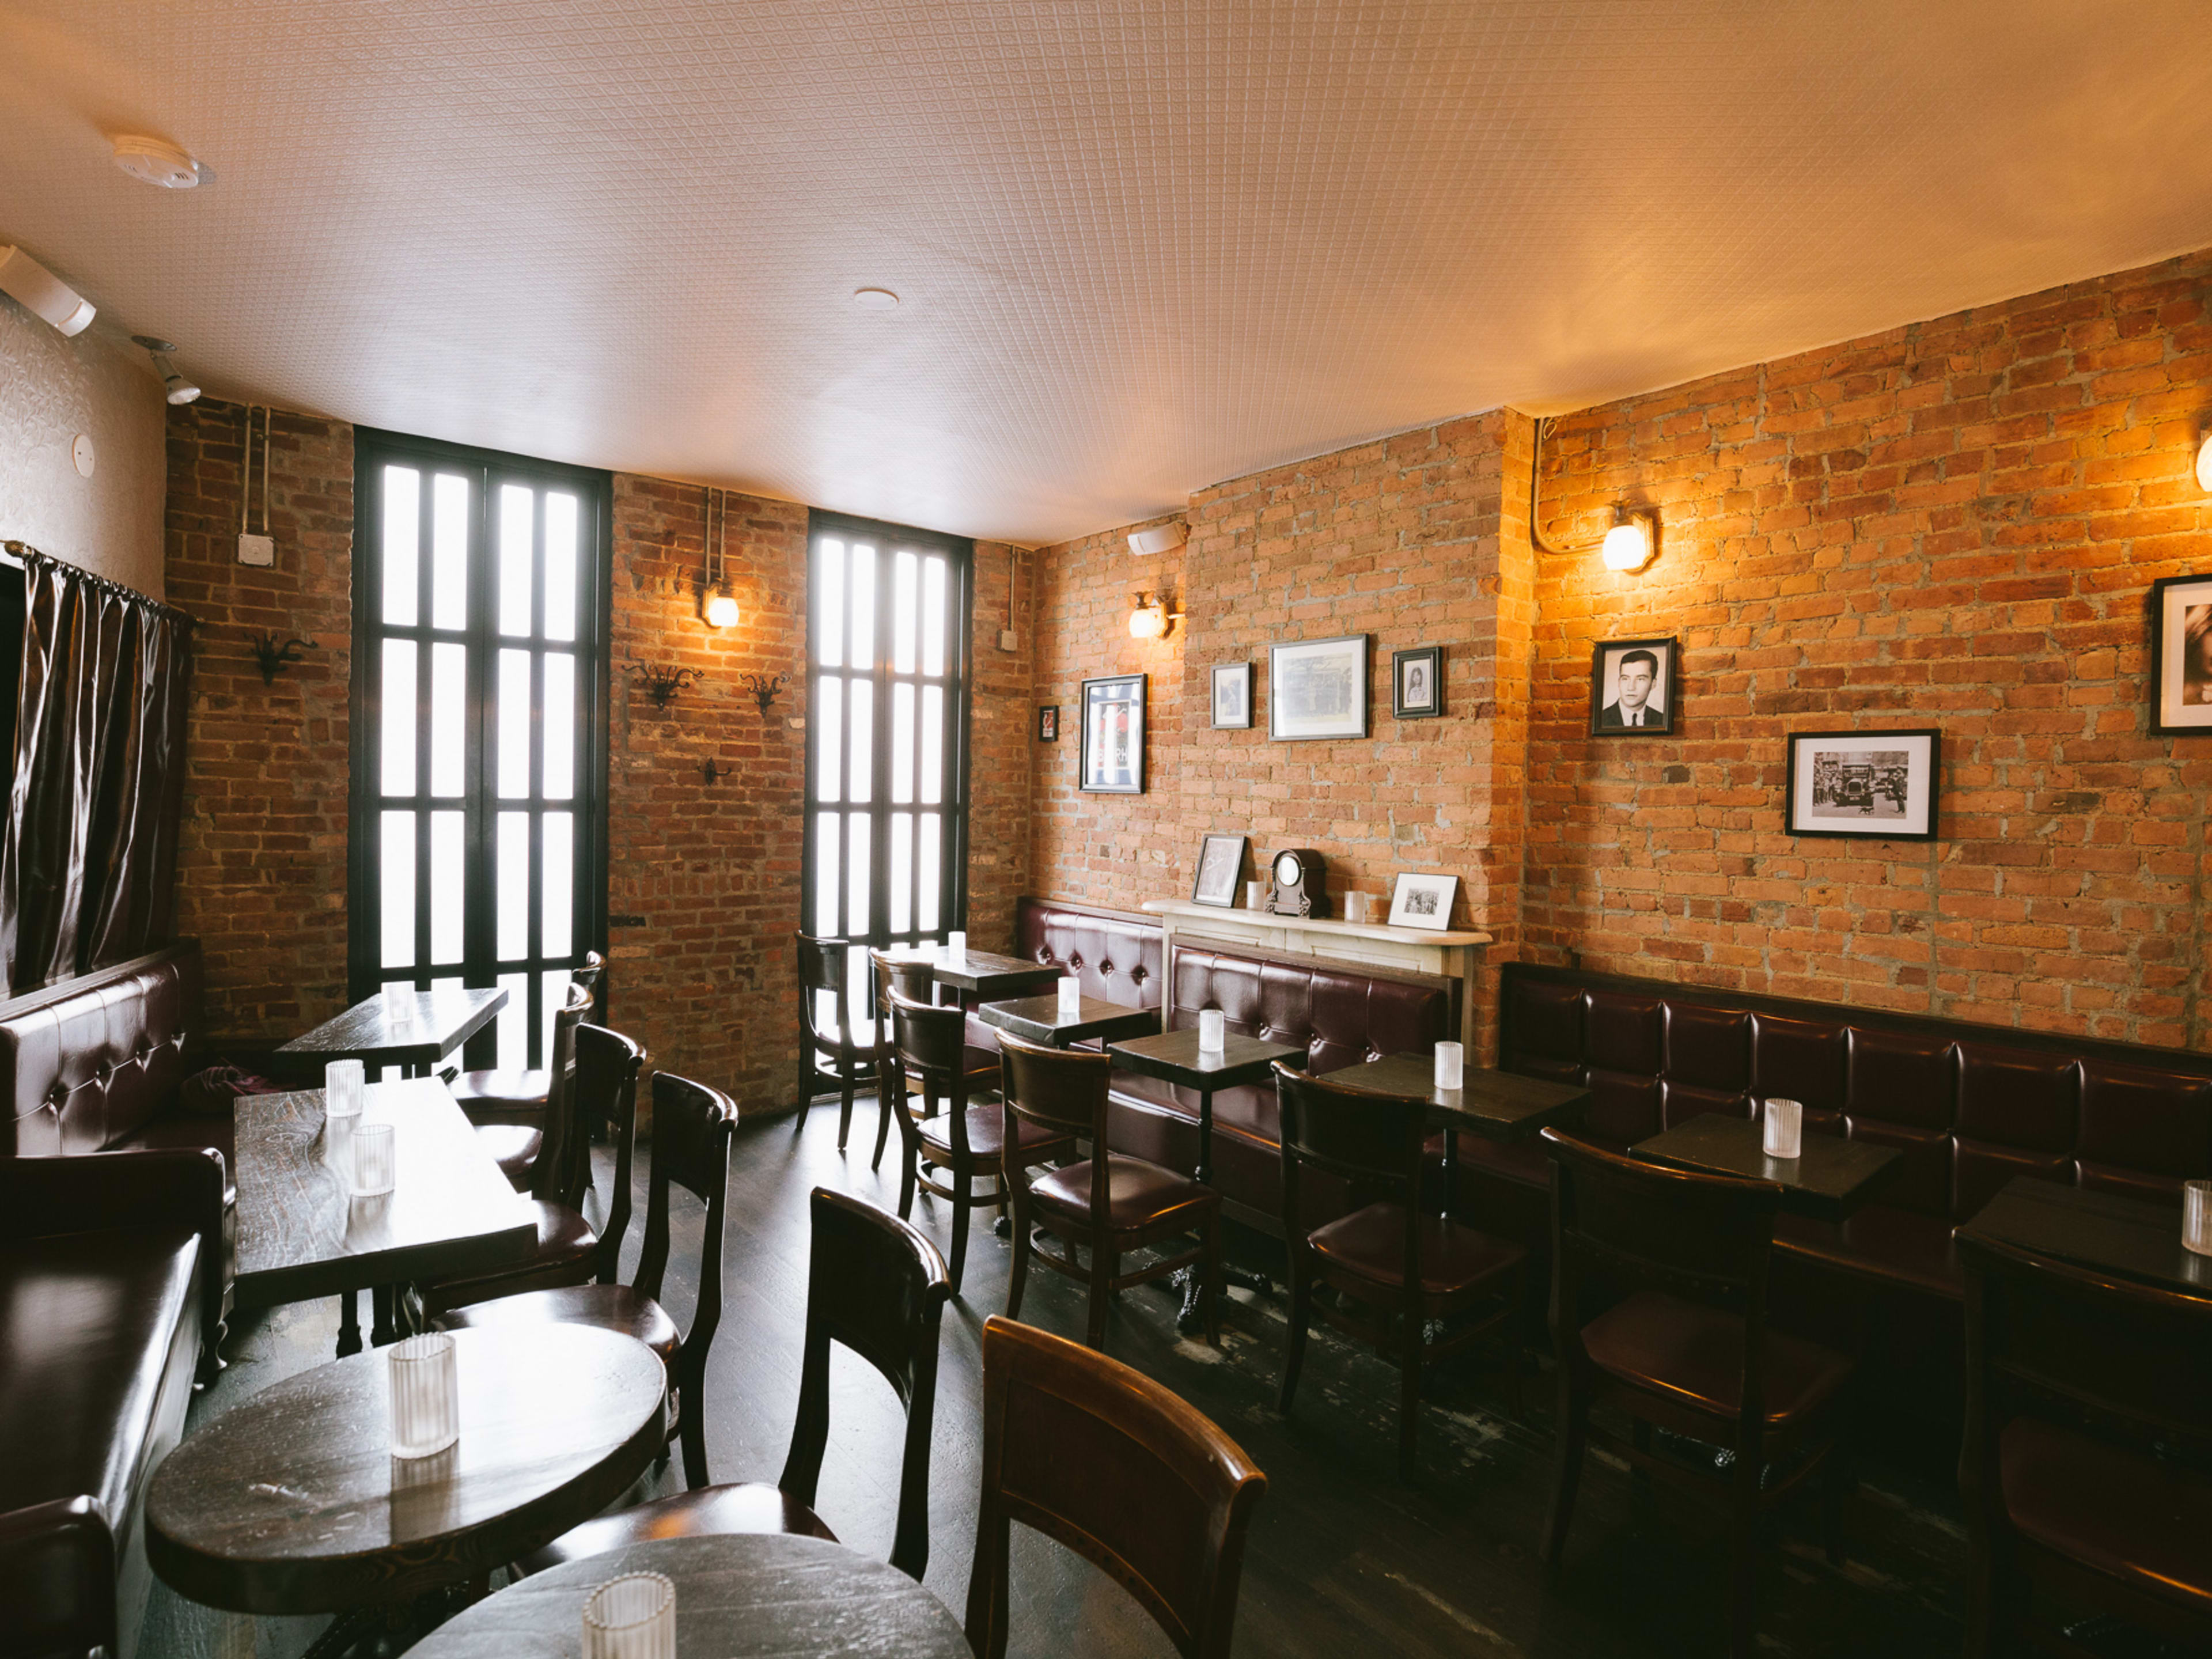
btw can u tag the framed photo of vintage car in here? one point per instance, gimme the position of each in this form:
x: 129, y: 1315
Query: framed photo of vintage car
x: 1317, y: 688
x: 1112, y: 761
x: 1870, y: 786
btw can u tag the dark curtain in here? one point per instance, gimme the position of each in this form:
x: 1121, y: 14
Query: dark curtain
x: 88, y: 861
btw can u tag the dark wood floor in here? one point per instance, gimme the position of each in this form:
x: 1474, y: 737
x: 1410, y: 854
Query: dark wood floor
x: 1344, y: 1558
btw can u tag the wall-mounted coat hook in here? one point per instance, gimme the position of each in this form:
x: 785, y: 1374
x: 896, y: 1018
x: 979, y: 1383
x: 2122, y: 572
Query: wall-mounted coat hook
x: 661, y: 684
x: 765, y: 689
x: 709, y: 771
x: 273, y: 658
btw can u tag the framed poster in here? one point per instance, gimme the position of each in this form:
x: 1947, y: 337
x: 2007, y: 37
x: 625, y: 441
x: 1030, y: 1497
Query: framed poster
x: 2181, y: 655
x: 1872, y: 786
x: 1420, y: 899
x: 1632, y: 685
x: 1317, y: 688
x: 1232, y: 696
x: 1048, y: 722
x: 1220, y: 869
x: 1417, y: 682
x: 1113, y: 750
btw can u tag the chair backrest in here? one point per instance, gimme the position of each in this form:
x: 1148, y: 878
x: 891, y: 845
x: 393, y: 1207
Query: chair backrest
x: 930, y: 1043
x: 692, y: 1126
x: 916, y: 981
x: 823, y: 964
x: 1119, y: 1470
x: 1368, y: 1139
x: 565, y: 1149
x: 590, y: 973
x: 1063, y: 1089
x: 607, y: 1065
x: 879, y: 1288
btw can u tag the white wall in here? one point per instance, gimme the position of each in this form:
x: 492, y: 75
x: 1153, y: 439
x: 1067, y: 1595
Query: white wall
x: 50, y: 390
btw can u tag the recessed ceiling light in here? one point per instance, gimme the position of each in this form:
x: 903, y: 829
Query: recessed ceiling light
x: 156, y: 161
x: 874, y: 299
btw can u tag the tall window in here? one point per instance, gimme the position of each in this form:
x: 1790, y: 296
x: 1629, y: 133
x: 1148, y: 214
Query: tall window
x: 478, y: 822
x: 886, y: 852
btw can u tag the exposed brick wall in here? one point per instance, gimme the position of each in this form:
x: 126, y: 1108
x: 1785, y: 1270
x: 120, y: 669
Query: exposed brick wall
x: 262, y: 864
x: 1001, y: 733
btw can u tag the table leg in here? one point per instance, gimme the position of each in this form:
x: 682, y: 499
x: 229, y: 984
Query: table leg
x: 1451, y: 1168
x: 384, y: 1332
x: 349, y: 1323
x: 1188, y: 1280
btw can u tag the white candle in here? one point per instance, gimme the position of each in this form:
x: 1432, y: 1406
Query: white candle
x: 1212, y: 1030
x: 2197, y: 1216
x: 373, y: 1162
x: 1781, y: 1130
x: 426, y: 1396
x: 632, y: 1617
x: 1071, y: 997
x: 399, y: 1004
x: 1451, y: 1066
x: 955, y: 947
x: 341, y: 1089
x: 1255, y: 896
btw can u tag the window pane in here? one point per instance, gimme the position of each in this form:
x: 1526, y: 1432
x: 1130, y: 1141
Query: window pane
x: 446, y: 908
x: 560, y: 566
x: 557, y: 884
x: 856, y: 874
x: 860, y: 775
x: 826, y: 869
x: 934, y: 617
x: 514, y: 883
x: 829, y: 714
x: 449, y: 721
x: 863, y: 650
x: 926, y: 857
x: 514, y: 1022
x: 514, y: 726
x: 902, y: 851
x: 402, y: 543
x: 902, y: 741
x: 449, y: 552
x: 518, y: 511
x: 559, y: 772
x: 903, y: 618
x: 397, y: 886
x: 829, y: 595
x: 398, y: 717
x: 932, y: 744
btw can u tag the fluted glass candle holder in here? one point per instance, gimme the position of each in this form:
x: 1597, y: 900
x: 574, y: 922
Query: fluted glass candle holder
x: 2197, y: 1216
x: 1255, y: 896
x: 955, y: 948
x: 399, y: 1004
x: 342, y: 1084
x: 632, y: 1617
x: 1451, y: 1066
x: 1071, y: 997
x: 1782, y: 1129
x: 1212, y: 1030
x: 375, y: 1161
x: 426, y: 1396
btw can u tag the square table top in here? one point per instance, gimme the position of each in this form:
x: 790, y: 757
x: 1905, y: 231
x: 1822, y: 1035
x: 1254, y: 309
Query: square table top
x: 1175, y: 1057
x: 1831, y: 1179
x: 2137, y: 1238
x: 443, y: 1020
x: 1496, y: 1105
x: 1038, y: 1019
x: 985, y: 972
x: 301, y: 1231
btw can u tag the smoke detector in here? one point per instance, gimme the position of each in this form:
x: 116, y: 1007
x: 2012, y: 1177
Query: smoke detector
x: 156, y: 161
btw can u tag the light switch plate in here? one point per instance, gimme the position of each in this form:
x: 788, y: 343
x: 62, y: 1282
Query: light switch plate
x: 257, y: 550
x: 1008, y: 640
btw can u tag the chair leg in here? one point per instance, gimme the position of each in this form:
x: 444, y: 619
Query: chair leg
x: 1300, y: 1314
x: 1213, y: 1267
x: 1836, y: 1482
x: 805, y: 1085
x: 907, y: 1162
x: 888, y: 1101
x: 963, y: 1200
x: 1105, y: 1262
x: 1746, y: 1538
x: 844, y: 1107
x: 1019, y: 1282
x: 1567, y: 1434
x: 1409, y: 1398
x: 692, y: 1432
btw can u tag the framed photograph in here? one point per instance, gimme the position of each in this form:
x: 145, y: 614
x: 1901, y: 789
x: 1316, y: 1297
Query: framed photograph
x: 1113, y: 758
x: 1048, y: 722
x: 1220, y: 870
x: 1632, y: 685
x: 1875, y: 785
x: 1423, y: 900
x: 1417, y: 682
x: 1232, y: 696
x: 2181, y: 655
x: 1317, y: 688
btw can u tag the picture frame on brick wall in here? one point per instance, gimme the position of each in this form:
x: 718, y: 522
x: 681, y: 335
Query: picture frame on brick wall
x: 1417, y: 682
x: 1317, y: 689
x: 1048, y: 722
x: 1232, y: 697
x: 1111, y: 758
x: 1633, y: 684
x: 1865, y: 786
x: 2181, y: 656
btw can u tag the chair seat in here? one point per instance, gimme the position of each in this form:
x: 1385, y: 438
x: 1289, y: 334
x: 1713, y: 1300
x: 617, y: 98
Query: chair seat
x: 1136, y: 1191
x: 985, y: 1134
x: 515, y: 1147
x: 704, y: 1511
x: 2113, y: 1508
x: 1694, y: 1355
x: 1371, y: 1243
x: 509, y: 1090
x: 615, y: 1308
x: 565, y: 1252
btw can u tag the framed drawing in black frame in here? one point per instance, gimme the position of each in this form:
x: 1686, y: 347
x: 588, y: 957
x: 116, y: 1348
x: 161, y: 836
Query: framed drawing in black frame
x: 1866, y: 785
x: 1047, y: 722
x: 2181, y: 656
x: 1112, y: 758
x: 1220, y: 870
x: 1317, y: 688
x: 1633, y: 686
x: 1417, y: 682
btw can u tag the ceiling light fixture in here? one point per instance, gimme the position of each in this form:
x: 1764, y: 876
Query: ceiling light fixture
x: 43, y: 293
x: 719, y: 606
x: 155, y: 162
x: 874, y: 299
x: 1630, y: 546
x: 174, y: 387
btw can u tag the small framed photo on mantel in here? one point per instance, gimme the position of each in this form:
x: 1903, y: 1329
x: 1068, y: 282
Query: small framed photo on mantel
x: 1868, y: 786
x: 1220, y: 869
x: 1417, y: 682
x: 1422, y: 899
x: 1632, y: 687
x: 2181, y: 656
x: 1112, y: 753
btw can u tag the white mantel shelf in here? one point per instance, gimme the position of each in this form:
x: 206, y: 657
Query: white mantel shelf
x: 1450, y: 954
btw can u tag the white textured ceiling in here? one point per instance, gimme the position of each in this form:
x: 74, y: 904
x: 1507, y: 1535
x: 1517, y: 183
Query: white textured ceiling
x: 1143, y: 245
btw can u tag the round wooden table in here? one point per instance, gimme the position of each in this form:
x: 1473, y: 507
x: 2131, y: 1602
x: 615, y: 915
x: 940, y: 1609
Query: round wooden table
x: 291, y: 1502
x: 763, y: 1596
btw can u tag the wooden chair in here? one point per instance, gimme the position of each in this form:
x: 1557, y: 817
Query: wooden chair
x: 2086, y: 1468
x: 848, y: 1046
x: 930, y: 1047
x: 1687, y: 1349
x: 894, y: 1089
x: 509, y: 1104
x: 879, y: 1288
x: 1108, y: 1204
x: 1397, y: 1273
x: 1121, y: 1471
x: 692, y: 1124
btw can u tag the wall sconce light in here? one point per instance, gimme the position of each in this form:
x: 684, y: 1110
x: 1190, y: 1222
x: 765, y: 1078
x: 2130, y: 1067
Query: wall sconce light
x: 765, y: 688
x: 719, y: 606
x: 1630, y: 544
x: 2204, y: 463
x: 661, y: 684
x: 275, y: 659
x: 174, y: 387
x: 1151, y: 618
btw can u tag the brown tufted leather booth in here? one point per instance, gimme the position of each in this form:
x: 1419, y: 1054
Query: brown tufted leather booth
x: 94, y: 1062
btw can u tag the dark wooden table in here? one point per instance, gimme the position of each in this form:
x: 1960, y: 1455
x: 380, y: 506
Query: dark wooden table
x: 302, y: 1232
x: 1496, y: 1105
x: 292, y: 1502
x: 758, y: 1596
x: 1829, y: 1182
x: 983, y: 975
x: 1038, y: 1019
x: 443, y: 1020
x: 2110, y: 1232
